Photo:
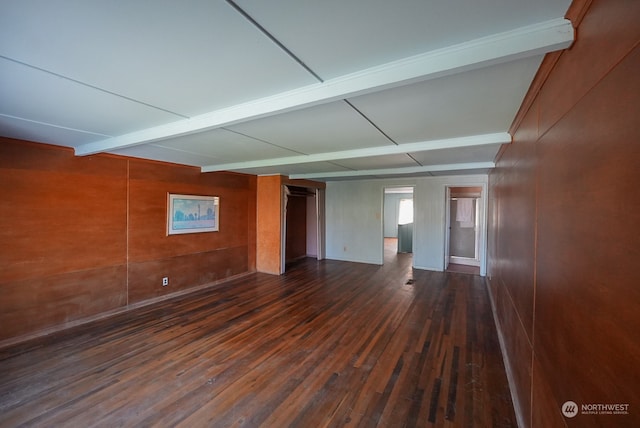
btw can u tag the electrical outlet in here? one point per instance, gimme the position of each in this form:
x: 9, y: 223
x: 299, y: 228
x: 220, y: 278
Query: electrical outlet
x: 165, y: 281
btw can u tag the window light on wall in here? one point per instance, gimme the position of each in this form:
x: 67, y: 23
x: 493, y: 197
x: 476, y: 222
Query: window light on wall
x: 405, y: 211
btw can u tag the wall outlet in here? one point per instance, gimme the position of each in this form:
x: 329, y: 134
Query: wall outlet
x: 165, y: 281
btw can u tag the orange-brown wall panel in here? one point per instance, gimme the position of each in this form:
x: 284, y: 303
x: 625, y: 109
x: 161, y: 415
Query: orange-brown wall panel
x: 518, y: 199
x: 606, y: 34
x: 53, y: 301
x: 269, y: 224
x: 88, y: 235
x: 588, y: 245
x: 518, y: 349
x: 148, y: 192
x: 61, y: 214
x: 184, y: 272
x: 252, y: 224
x: 183, y: 258
x: 568, y: 185
x: 64, y: 233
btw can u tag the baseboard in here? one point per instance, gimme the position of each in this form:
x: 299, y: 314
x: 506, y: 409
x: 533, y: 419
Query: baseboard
x: 464, y: 261
x: 505, y: 362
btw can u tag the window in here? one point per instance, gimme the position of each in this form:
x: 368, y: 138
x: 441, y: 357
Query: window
x: 405, y: 211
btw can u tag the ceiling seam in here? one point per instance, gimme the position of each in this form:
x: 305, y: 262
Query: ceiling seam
x: 97, y: 88
x: 341, y: 166
x: 370, y: 122
x: 53, y: 125
x: 263, y: 141
x: 414, y: 159
x: 379, y: 129
x: 271, y: 37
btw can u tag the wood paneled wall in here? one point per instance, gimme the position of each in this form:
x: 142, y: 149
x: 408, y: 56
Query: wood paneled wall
x: 86, y: 236
x: 563, y: 228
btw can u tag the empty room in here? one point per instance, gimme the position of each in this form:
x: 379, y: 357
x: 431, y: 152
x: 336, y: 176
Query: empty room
x: 225, y: 213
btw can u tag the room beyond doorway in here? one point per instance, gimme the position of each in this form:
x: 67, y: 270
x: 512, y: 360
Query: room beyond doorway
x: 398, y: 213
x: 463, y: 229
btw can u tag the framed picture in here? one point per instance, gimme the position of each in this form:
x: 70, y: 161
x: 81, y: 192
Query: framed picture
x: 192, y: 214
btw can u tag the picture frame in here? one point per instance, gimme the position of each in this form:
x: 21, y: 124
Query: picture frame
x: 192, y: 214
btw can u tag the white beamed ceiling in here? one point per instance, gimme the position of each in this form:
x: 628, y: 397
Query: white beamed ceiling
x: 325, y: 90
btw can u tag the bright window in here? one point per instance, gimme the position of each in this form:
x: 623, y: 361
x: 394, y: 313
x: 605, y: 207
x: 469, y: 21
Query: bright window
x: 405, y: 212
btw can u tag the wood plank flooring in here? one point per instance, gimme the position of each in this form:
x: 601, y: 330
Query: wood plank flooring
x: 328, y: 344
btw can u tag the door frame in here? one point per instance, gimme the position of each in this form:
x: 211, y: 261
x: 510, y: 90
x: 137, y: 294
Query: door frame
x: 320, y: 224
x: 384, y: 196
x: 481, y: 228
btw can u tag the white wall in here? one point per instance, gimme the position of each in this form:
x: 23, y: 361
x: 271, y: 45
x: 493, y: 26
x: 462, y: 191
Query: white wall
x: 354, y: 225
x: 354, y: 221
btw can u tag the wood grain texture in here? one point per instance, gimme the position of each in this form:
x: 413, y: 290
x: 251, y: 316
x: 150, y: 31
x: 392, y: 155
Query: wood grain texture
x: 59, y: 237
x: 607, y: 33
x: 572, y: 170
x: 88, y: 235
x: 54, y: 207
x: 588, y: 246
x: 269, y: 224
x: 326, y: 344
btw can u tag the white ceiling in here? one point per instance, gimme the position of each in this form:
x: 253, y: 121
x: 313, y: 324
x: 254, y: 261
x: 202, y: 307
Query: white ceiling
x: 311, y: 89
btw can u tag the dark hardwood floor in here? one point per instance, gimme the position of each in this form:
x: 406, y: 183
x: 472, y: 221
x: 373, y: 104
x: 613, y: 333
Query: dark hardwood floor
x: 327, y: 344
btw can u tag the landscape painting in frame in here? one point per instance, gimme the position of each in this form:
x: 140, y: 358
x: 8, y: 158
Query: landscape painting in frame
x: 192, y: 214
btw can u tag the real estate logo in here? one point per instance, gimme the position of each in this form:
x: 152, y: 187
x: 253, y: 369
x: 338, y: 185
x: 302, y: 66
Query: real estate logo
x: 570, y: 409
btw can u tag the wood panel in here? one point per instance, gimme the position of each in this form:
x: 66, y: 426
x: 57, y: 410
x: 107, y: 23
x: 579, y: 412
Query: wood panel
x: 269, y: 224
x: 606, y: 34
x: 184, y: 272
x: 326, y: 344
x: 517, y: 349
x: 588, y: 245
x: 60, y: 300
x: 63, y: 213
x: 547, y: 412
x: 518, y: 223
x: 187, y: 260
x: 148, y: 189
x: 88, y: 235
x: 582, y: 126
x: 63, y: 252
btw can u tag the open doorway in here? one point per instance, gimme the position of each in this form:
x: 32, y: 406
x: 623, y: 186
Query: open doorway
x: 398, y: 221
x: 463, y: 229
x: 303, y: 224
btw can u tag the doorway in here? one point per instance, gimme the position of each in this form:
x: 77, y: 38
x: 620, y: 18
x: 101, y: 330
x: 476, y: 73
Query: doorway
x: 303, y: 224
x: 463, y: 229
x: 398, y: 215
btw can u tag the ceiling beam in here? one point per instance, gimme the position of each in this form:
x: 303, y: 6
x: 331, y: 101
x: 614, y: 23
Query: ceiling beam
x: 394, y: 171
x: 523, y: 42
x: 449, y: 143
